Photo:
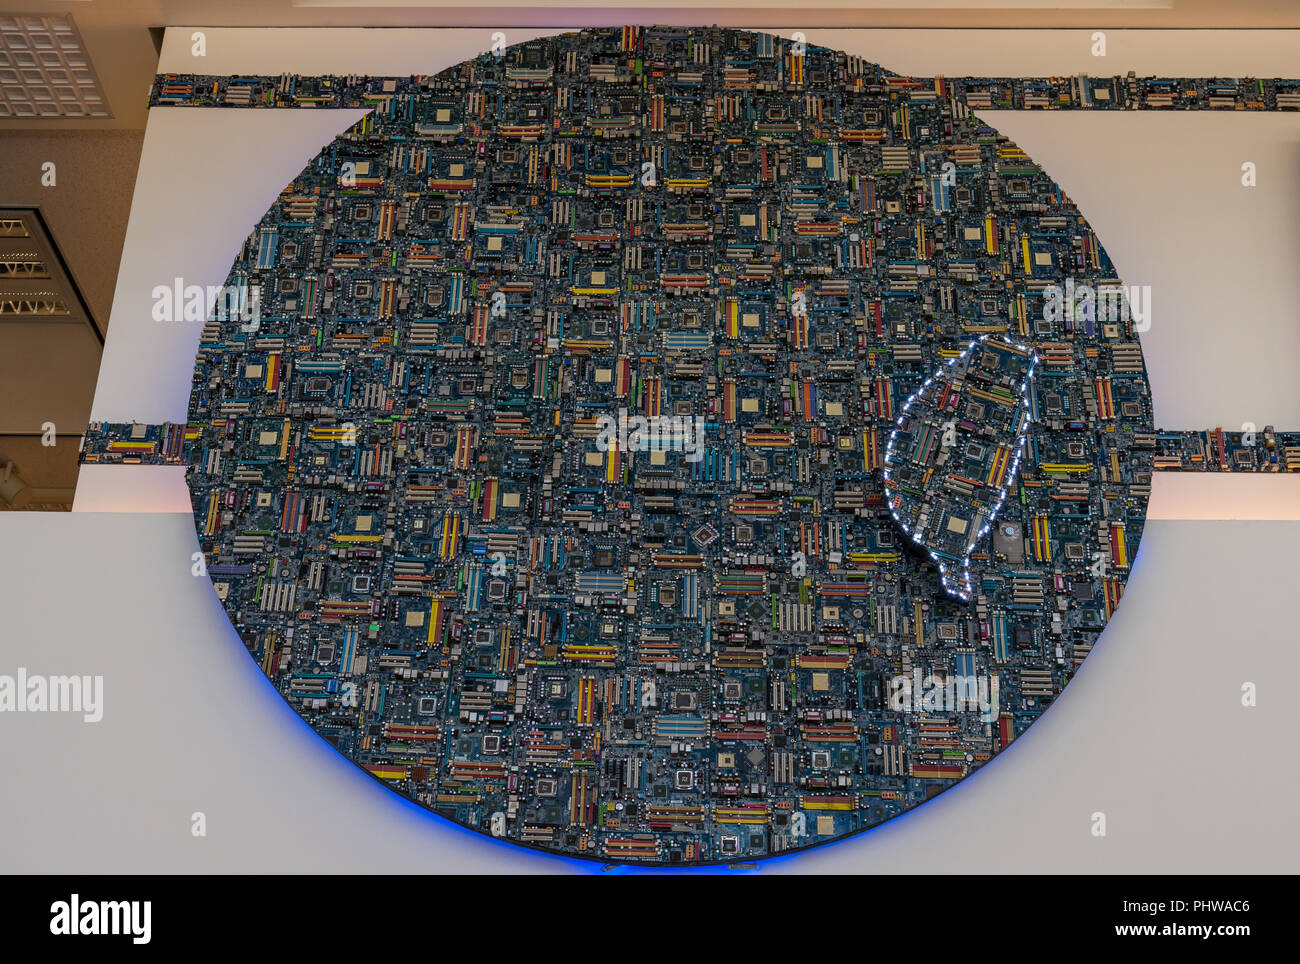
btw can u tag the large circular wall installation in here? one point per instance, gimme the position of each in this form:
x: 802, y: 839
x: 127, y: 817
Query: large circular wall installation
x: 671, y: 446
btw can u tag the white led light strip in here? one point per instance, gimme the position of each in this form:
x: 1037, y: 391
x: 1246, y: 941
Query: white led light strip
x: 963, y: 590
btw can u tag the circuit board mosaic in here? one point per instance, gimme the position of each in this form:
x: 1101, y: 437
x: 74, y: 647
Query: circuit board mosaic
x: 612, y: 411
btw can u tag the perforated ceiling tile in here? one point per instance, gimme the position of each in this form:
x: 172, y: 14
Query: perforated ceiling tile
x: 45, y: 70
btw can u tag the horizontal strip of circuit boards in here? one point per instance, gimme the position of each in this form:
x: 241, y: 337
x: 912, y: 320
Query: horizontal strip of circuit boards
x: 1081, y: 92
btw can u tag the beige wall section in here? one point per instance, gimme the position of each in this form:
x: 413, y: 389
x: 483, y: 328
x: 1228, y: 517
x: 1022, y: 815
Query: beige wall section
x: 87, y: 208
x: 86, y: 211
x: 43, y: 476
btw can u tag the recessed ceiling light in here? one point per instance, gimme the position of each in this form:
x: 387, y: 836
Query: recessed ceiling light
x: 35, y: 285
